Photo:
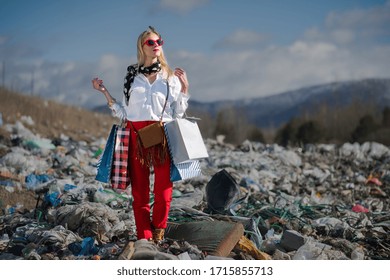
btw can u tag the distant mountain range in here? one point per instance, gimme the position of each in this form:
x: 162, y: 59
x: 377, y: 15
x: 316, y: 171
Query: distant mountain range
x: 275, y: 110
x: 280, y: 108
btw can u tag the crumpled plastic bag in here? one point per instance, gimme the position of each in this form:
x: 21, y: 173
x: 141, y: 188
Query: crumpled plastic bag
x: 221, y: 192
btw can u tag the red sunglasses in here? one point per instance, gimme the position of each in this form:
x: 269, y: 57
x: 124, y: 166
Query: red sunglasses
x: 151, y: 42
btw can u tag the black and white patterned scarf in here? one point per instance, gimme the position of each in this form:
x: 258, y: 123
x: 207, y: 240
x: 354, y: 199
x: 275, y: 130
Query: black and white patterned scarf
x: 132, y: 71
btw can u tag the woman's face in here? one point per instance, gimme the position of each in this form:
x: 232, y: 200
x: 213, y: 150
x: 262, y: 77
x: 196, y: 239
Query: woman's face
x: 152, y: 46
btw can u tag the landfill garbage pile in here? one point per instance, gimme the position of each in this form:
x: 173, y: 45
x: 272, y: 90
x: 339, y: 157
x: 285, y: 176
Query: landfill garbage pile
x: 253, y: 201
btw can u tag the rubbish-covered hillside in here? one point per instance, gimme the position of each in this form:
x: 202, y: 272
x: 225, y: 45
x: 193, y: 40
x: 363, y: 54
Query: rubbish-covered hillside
x: 254, y: 201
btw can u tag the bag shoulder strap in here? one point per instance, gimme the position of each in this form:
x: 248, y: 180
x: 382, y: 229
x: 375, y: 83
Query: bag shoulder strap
x: 166, y: 101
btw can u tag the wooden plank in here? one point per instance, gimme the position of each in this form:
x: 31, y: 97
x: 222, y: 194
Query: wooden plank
x: 214, y: 237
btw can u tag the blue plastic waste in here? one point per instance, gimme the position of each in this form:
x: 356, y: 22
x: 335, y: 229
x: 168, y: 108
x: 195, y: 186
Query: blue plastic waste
x: 69, y: 187
x: 88, y: 247
x: 53, y: 198
x: 34, y: 180
x: 7, y: 183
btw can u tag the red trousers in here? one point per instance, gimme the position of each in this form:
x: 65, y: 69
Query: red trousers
x: 140, y: 186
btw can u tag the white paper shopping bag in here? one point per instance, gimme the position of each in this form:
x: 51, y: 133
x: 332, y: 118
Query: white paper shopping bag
x: 185, y: 141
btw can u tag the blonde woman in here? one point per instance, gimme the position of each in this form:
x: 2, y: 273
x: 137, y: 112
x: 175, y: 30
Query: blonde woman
x: 149, y: 84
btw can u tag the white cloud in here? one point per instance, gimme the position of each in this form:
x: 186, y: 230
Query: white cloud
x: 240, y: 39
x: 357, y: 27
x: 310, y: 50
x: 110, y: 67
x: 235, y: 75
x: 182, y: 7
x: 374, y: 18
x: 342, y: 36
x: 354, y: 28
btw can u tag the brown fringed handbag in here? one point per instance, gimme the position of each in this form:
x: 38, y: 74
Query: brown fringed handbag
x: 153, y: 134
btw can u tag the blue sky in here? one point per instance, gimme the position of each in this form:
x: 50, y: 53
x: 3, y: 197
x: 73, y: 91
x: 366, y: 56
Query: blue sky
x: 230, y: 49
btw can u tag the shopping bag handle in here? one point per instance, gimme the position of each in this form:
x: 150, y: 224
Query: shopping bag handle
x: 191, y: 118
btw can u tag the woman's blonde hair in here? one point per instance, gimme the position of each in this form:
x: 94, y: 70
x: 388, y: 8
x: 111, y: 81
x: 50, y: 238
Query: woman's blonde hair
x: 141, y: 54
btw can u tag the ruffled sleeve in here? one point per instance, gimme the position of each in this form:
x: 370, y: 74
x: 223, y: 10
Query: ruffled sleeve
x: 118, y: 111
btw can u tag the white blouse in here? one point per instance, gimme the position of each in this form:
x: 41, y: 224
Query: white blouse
x: 147, y: 100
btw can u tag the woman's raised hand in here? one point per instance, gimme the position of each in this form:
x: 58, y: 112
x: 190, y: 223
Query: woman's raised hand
x: 181, y: 74
x: 98, y: 84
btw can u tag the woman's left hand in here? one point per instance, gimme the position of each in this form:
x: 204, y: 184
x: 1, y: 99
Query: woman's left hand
x: 181, y: 74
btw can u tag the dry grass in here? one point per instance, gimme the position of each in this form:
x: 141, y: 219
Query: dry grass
x: 52, y: 119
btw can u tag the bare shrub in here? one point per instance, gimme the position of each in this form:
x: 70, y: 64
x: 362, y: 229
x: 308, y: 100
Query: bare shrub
x: 356, y: 122
x: 234, y: 125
